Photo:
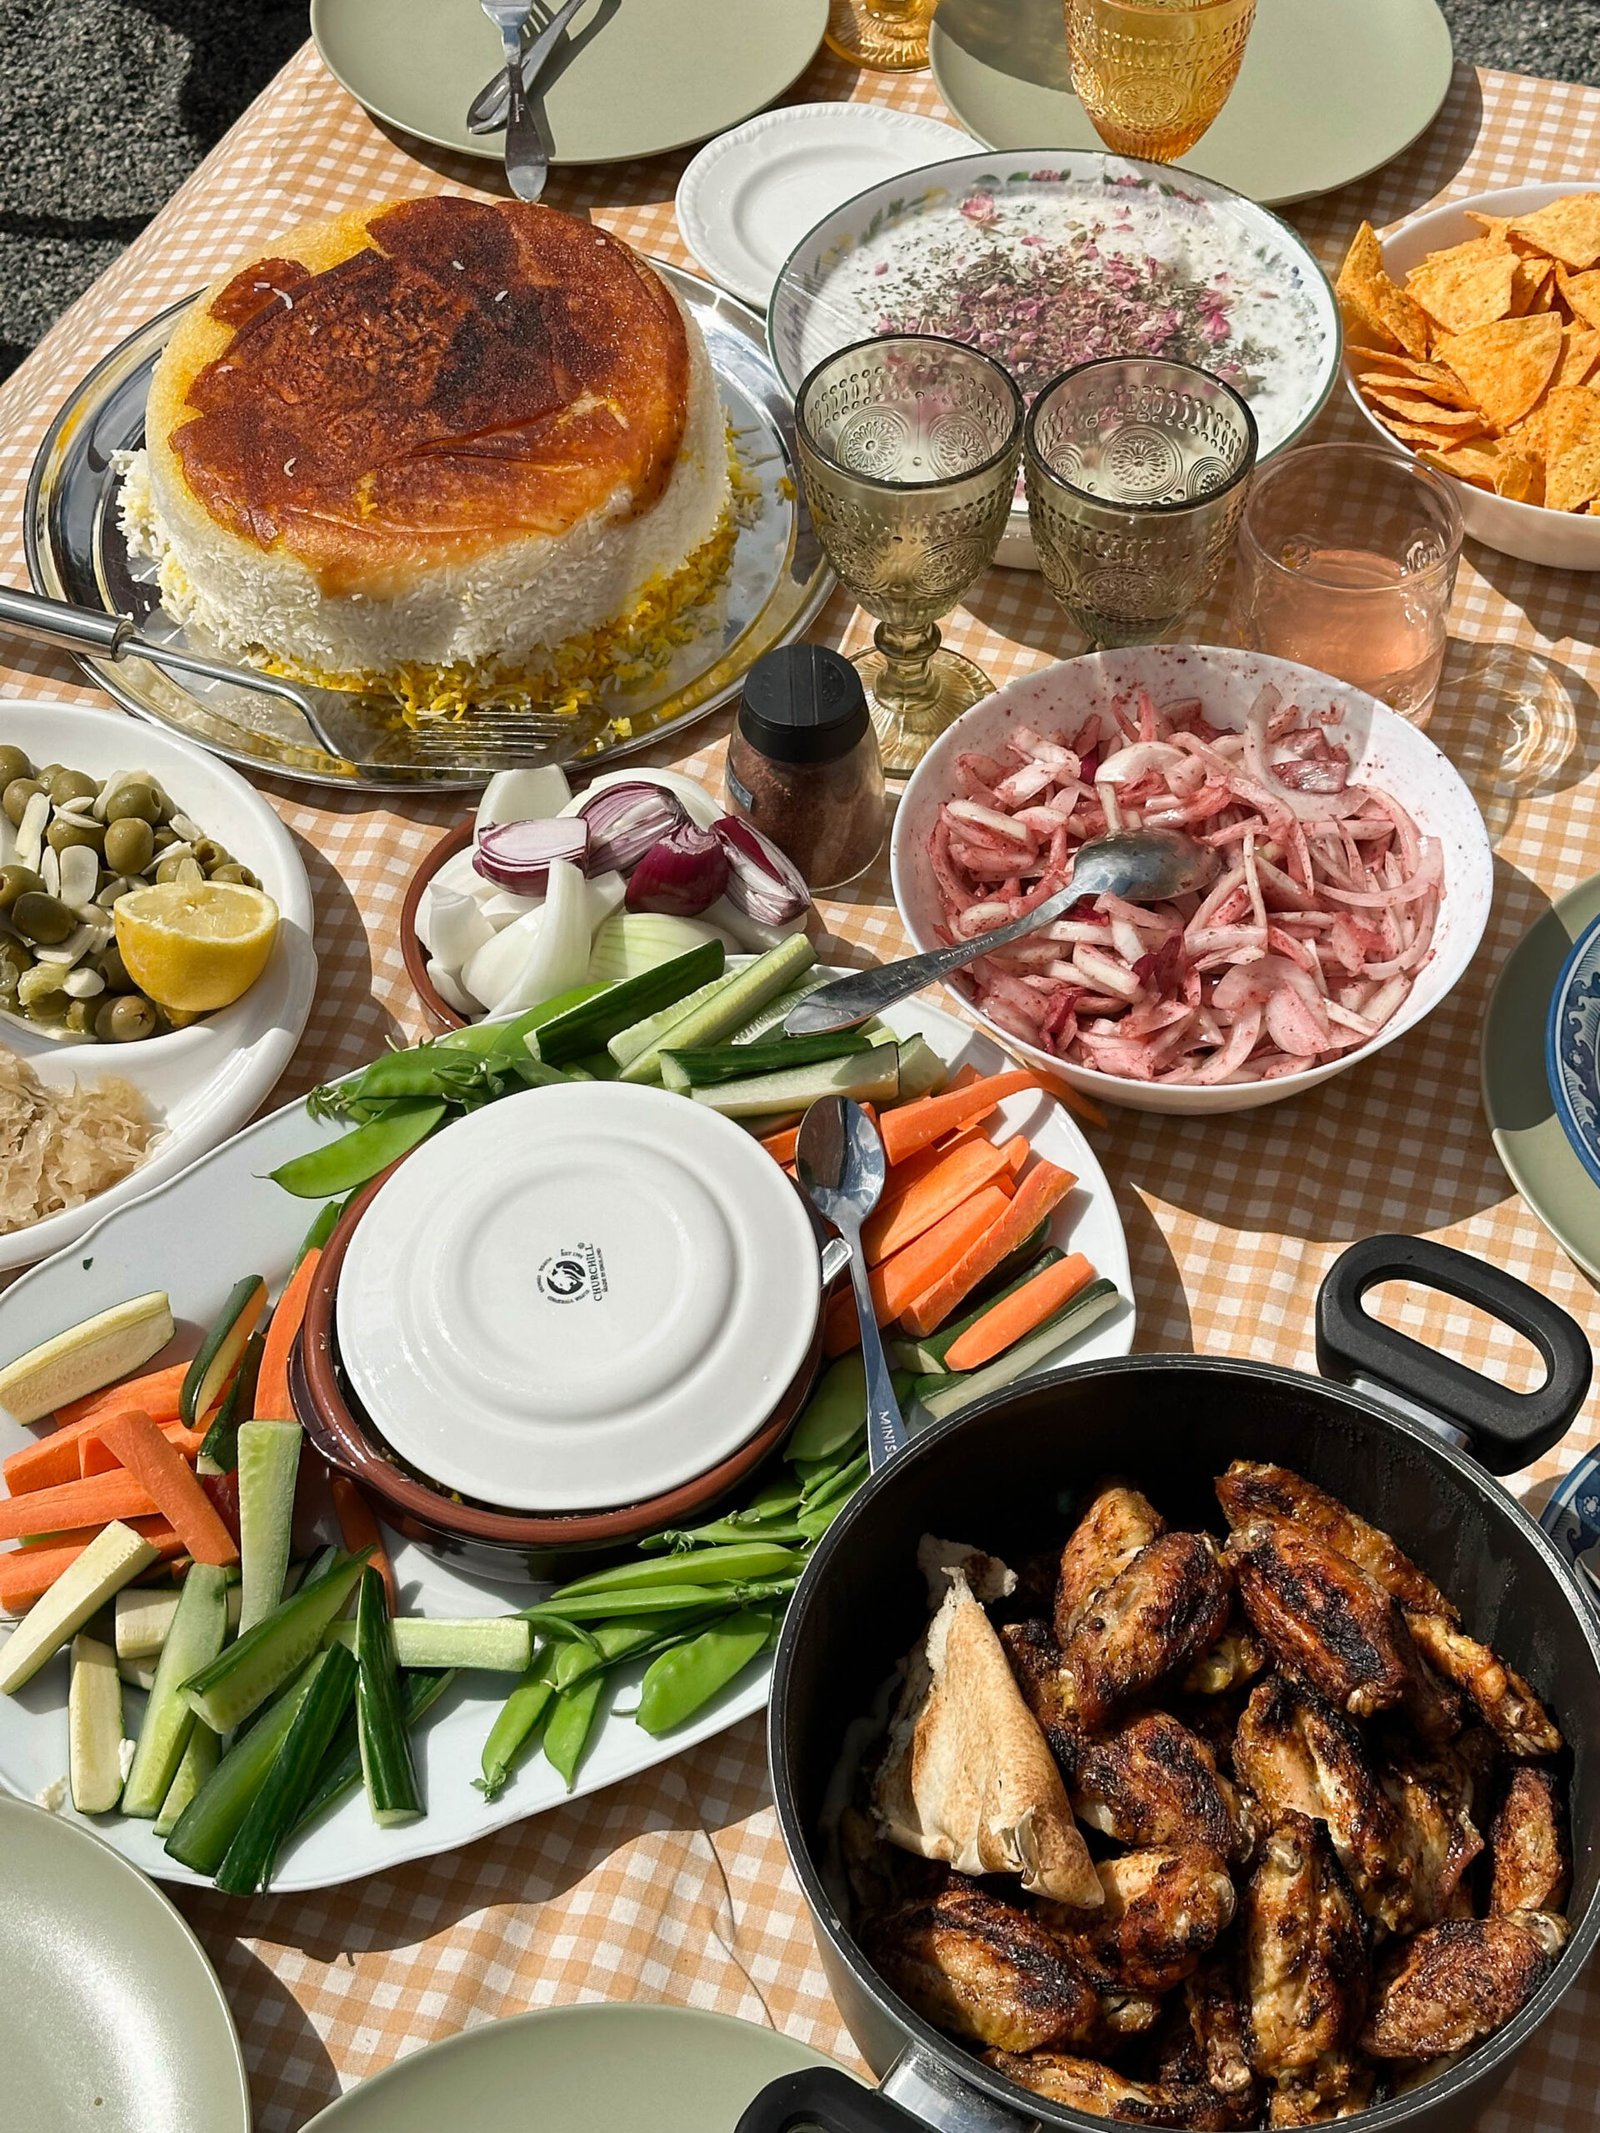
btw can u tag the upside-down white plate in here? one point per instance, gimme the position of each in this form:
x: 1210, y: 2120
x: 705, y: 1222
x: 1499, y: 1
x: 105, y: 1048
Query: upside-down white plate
x: 202, y: 1082
x: 223, y: 1217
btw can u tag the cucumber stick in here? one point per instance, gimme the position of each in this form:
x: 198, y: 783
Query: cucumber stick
x: 869, y: 1077
x: 591, y: 1026
x: 494, y: 1644
x: 773, y: 1015
x: 631, y: 1044
x: 715, y: 1020
x: 199, y: 1759
x: 220, y: 1352
x: 209, y: 1823
x: 922, y: 1071
x: 950, y: 1393
x: 220, y: 1451
x: 194, y: 1640
x: 703, y: 1066
x: 387, y: 1768
x: 144, y: 1615
x: 288, y: 1784
x: 138, y: 1673
x: 114, y: 1558
x: 94, y: 1727
x: 225, y: 1693
x: 269, y: 1462
x: 927, y: 1355
x: 341, y: 1766
x: 86, y: 1357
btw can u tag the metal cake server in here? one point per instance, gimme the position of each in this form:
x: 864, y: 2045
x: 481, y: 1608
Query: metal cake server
x: 841, y: 1166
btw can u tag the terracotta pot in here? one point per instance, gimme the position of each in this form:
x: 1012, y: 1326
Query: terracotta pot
x: 412, y: 952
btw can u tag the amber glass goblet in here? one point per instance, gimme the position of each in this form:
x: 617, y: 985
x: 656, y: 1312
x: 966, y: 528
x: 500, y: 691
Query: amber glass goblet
x: 885, y: 36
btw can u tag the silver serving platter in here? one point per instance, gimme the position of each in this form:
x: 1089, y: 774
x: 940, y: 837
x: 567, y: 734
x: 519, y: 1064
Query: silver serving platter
x: 777, y: 584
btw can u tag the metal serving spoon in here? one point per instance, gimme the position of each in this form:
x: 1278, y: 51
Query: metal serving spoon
x: 841, y: 1166
x: 1140, y: 866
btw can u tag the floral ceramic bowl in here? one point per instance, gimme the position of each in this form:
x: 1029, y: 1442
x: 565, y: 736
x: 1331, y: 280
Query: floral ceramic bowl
x: 1572, y: 1048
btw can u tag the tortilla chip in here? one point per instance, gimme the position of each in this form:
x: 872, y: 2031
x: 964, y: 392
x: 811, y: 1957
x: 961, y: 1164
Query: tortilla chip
x: 1581, y: 294
x: 1507, y: 365
x: 1573, y: 479
x: 1378, y: 312
x: 1492, y: 225
x: 1580, y: 354
x: 1569, y: 416
x: 1532, y: 288
x: 1568, y: 230
x: 1420, y: 432
x: 1469, y: 285
x: 1429, y: 381
x: 1519, y: 476
x: 1461, y: 420
x: 1474, y: 463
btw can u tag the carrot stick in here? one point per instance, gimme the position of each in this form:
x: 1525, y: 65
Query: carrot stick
x: 1016, y: 1152
x: 901, y: 1279
x: 26, y: 1574
x: 359, y: 1529
x: 1074, y: 1099
x: 954, y: 1179
x: 1007, y: 1321
x: 156, y: 1394
x: 272, y: 1403
x: 964, y: 1078
x: 913, y: 1126
x: 76, y: 1503
x: 1041, y: 1191
x: 95, y: 1456
x: 781, y: 1146
x: 171, y: 1484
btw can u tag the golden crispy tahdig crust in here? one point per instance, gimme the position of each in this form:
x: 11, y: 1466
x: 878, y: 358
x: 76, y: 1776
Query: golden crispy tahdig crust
x: 417, y: 383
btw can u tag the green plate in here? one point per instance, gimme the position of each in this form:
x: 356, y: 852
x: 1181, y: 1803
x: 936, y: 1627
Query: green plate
x: 1516, y: 1093
x: 111, y: 2017
x: 634, y: 78
x: 632, y: 2069
x: 1330, y: 89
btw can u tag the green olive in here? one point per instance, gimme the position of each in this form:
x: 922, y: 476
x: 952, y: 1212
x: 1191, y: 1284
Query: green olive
x: 67, y: 831
x: 71, y: 785
x: 81, y: 1014
x: 45, y: 1006
x: 16, y: 796
x: 171, y: 864
x: 17, y: 881
x: 44, y: 920
x: 135, y: 800
x: 209, y: 853
x: 15, y: 962
x: 123, y: 1020
x: 130, y: 844
x: 46, y: 771
x: 234, y: 872
x: 111, y: 967
x: 13, y: 764
x: 166, y: 836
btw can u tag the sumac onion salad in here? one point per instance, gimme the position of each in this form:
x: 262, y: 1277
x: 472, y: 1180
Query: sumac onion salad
x: 1304, y: 947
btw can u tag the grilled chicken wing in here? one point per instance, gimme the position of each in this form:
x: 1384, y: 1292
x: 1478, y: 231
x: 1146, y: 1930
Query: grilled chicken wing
x: 1327, y: 1620
x: 1305, y: 1956
x: 1432, y: 1797
x: 1251, y: 1490
x: 1518, y: 1720
x: 1216, y: 2016
x: 1162, y: 1911
x: 1233, y: 1662
x: 1297, y: 2103
x: 1150, y: 1621
x: 984, y: 1970
x: 1458, y: 1983
x: 1529, y: 1846
x: 1035, y: 1660
x: 1086, y: 2085
x: 1152, y: 1782
x: 1100, y: 1547
x: 1298, y: 1755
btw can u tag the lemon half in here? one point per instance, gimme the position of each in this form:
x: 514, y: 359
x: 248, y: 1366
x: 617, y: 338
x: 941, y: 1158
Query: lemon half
x: 195, y: 947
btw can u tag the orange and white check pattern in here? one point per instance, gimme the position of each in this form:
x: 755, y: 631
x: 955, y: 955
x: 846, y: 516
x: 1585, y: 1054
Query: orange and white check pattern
x: 675, y: 1887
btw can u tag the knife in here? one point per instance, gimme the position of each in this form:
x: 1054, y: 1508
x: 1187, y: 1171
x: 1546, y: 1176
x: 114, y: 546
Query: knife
x: 487, y: 111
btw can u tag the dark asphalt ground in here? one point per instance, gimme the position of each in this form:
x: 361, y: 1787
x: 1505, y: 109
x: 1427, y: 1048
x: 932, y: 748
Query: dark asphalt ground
x: 105, y: 108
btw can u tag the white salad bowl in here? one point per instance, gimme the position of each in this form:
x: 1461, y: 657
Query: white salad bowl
x: 1385, y: 750
x: 1561, y: 540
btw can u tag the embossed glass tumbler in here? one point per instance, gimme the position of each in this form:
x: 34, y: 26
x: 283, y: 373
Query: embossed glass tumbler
x: 885, y: 36
x: 1136, y: 474
x: 908, y: 452
x: 1153, y: 74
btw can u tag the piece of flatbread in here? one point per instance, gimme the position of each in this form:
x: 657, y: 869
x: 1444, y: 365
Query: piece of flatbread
x: 969, y: 1777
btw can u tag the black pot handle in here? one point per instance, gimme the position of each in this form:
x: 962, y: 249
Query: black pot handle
x: 1505, y: 1429
x: 824, y: 2097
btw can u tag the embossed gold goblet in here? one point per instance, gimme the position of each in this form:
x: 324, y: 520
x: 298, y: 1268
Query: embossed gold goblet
x: 885, y: 36
x: 1136, y: 473
x: 908, y: 453
x: 1153, y: 74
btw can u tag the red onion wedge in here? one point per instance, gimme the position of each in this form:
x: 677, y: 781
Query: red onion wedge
x: 625, y: 821
x: 518, y: 855
x: 763, y: 882
x: 681, y: 875
x: 1304, y: 947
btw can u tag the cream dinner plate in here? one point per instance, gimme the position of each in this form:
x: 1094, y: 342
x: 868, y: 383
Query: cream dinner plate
x: 632, y: 78
x: 1538, y: 1157
x: 578, y: 1297
x: 749, y: 196
x: 1329, y: 89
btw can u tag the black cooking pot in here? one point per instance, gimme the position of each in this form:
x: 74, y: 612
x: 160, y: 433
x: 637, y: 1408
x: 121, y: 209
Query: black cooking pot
x: 1407, y: 1446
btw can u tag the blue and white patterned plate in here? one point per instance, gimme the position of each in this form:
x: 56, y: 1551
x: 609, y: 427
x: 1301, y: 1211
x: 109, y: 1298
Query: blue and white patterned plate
x: 1572, y: 1519
x: 1572, y: 1048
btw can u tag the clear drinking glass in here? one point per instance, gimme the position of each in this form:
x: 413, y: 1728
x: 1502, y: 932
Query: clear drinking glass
x: 1153, y: 74
x: 888, y: 36
x: 1347, y: 561
x: 908, y: 452
x: 1136, y: 474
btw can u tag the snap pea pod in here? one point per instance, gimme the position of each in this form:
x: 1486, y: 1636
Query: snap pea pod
x: 824, y: 1479
x: 721, y: 1532
x: 614, y: 1642
x: 570, y: 1724
x: 709, y: 1566
x: 559, y: 1615
x: 341, y: 1165
x: 427, y: 1071
x: 836, y: 1492
x: 516, y: 1725
x: 835, y: 1412
x: 511, y: 1037
x: 683, y: 1679
x: 320, y: 1231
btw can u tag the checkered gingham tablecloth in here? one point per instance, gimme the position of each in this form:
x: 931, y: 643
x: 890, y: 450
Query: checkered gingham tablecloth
x: 675, y: 1887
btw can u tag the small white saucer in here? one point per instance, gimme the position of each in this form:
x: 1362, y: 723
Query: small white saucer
x: 750, y: 195
x: 578, y: 1298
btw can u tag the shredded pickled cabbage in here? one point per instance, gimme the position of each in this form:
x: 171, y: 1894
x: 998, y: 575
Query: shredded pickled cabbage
x: 60, y: 1147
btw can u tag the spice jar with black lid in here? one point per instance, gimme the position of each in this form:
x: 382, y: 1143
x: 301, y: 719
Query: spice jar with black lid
x: 803, y: 763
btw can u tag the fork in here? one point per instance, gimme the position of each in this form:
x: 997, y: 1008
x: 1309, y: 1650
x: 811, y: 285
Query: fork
x: 527, y: 160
